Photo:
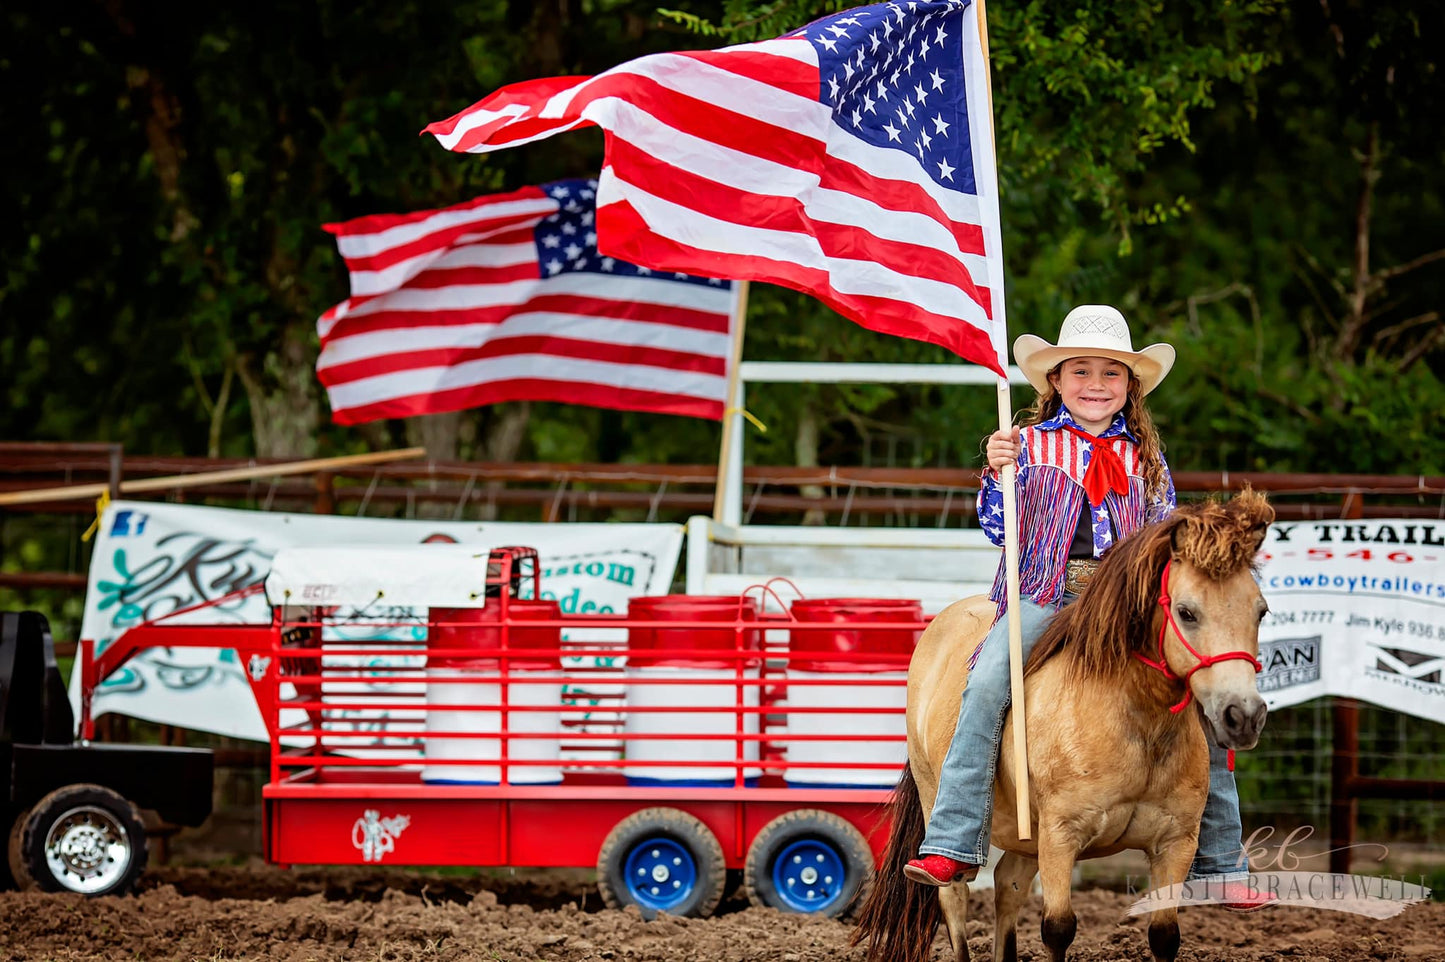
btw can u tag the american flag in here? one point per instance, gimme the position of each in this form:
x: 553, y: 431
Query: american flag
x: 851, y: 159
x: 505, y: 298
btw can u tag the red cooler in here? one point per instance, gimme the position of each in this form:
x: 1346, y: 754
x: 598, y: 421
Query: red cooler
x: 691, y: 668
x: 843, y: 654
x: 464, y: 694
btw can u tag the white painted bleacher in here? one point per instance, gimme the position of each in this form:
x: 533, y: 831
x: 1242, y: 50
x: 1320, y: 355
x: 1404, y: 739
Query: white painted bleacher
x: 936, y: 566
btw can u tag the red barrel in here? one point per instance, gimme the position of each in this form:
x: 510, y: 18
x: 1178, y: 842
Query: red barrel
x: 821, y: 644
x: 479, y: 630
x: 716, y: 608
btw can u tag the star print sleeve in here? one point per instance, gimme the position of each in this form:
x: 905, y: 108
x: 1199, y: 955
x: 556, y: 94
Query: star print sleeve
x: 1162, y: 505
x: 990, y: 500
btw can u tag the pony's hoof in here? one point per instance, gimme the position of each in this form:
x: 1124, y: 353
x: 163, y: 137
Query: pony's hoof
x: 939, y: 870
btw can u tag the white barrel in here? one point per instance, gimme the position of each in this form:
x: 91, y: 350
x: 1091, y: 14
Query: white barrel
x: 532, y: 688
x: 720, y: 692
x: 839, y: 722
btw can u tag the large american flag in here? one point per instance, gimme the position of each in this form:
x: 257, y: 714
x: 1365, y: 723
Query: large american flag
x: 852, y: 159
x: 505, y: 298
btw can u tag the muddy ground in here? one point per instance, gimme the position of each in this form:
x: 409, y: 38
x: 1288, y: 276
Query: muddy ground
x: 261, y: 912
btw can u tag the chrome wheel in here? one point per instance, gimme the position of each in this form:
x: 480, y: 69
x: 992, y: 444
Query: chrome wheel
x: 88, y: 850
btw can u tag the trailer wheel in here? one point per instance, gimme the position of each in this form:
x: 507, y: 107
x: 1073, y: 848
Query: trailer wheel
x: 14, y: 872
x: 808, y: 861
x: 661, y: 860
x: 82, y: 838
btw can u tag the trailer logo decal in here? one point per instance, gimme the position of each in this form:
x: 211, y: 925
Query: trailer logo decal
x: 376, y: 836
x: 257, y: 667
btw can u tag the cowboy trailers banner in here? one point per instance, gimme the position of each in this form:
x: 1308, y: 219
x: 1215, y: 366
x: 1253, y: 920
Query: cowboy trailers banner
x: 153, y: 559
x: 1356, y: 609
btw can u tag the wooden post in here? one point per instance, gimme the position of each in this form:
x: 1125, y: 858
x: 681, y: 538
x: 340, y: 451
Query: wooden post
x: 117, y: 466
x: 1344, y: 767
x: 325, y: 493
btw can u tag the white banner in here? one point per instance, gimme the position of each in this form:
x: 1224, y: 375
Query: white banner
x: 152, y: 559
x: 1357, y: 609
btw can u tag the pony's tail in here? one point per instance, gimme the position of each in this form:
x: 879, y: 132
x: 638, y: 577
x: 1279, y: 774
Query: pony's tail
x: 899, y: 918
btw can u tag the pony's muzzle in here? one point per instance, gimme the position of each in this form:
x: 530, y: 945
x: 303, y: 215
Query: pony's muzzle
x: 1239, y: 721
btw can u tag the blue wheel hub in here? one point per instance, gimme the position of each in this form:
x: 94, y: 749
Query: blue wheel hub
x: 808, y: 875
x: 660, y: 873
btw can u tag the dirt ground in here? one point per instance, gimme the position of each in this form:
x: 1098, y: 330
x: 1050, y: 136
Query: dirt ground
x: 261, y: 912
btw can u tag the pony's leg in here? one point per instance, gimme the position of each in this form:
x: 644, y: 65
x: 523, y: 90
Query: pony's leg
x: 1168, y: 864
x: 1011, y: 882
x: 953, y: 899
x: 1058, y: 851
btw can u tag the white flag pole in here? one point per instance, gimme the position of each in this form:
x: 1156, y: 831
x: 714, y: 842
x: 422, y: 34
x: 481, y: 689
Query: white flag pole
x: 732, y: 411
x: 1008, y: 481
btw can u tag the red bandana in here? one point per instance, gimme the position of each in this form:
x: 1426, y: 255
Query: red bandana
x: 1105, y: 472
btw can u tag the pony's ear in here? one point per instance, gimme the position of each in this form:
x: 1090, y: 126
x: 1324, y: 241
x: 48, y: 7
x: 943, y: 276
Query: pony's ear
x: 1178, y: 532
x: 1257, y: 534
x: 1253, y: 513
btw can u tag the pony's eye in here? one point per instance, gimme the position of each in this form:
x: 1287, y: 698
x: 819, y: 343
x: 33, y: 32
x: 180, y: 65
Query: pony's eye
x: 1186, y: 615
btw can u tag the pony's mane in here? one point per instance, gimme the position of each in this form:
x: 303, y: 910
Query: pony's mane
x: 1112, y: 616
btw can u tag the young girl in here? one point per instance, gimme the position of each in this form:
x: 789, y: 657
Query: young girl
x: 1090, y: 472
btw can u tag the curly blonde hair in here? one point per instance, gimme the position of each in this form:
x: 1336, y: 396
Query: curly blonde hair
x: 1136, y: 418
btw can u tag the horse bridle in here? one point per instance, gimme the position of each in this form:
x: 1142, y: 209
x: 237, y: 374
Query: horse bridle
x: 1202, y: 661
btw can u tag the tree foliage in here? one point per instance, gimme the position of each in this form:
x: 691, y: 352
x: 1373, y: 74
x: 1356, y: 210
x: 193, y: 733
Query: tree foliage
x: 1259, y: 181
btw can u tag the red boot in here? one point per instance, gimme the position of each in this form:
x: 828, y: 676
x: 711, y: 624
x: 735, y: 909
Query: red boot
x: 939, y: 870
x: 1241, y: 897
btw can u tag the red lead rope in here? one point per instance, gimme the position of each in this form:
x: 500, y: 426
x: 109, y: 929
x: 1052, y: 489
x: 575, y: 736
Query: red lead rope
x: 1204, y: 661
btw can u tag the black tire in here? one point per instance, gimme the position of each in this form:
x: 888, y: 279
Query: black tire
x: 658, y: 837
x: 13, y: 872
x: 82, y: 838
x: 733, y: 884
x: 821, y: 844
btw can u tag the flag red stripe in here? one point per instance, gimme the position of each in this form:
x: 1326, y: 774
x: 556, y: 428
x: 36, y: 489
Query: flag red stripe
x: 503, y: 346
x: 531, y: 389
x: 531, y: 94
x: 786, y: 73
x: 437, y: 277
x: 444, y: 238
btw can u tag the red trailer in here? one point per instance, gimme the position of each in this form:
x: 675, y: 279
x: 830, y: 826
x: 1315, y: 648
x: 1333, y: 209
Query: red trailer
x: 669, y: 745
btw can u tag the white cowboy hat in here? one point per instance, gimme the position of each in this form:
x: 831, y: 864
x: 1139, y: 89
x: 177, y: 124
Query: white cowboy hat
x: 1092, y: 330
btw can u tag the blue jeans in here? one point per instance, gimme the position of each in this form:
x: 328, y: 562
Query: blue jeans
x: 962, y: 817
x: 1221, y: 836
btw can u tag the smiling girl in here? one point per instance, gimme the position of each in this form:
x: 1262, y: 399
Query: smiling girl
x: 1091, y: 471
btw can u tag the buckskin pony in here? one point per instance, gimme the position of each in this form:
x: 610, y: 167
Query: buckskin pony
x: 1165, y: 636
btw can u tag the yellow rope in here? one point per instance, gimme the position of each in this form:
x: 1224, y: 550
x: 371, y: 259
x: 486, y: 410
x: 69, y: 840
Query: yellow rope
x: 101, y: 503
x: 749, y: 415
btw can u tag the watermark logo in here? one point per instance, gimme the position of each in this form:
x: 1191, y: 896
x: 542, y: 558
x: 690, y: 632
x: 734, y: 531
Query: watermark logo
x: 1280, y: 876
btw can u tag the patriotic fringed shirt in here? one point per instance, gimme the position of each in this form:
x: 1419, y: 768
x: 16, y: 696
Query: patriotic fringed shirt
x: 1051, y: 467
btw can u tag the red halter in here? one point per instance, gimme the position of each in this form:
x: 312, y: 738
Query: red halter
x: 1204, y: 661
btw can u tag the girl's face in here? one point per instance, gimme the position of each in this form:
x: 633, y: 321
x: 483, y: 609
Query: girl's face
x: 1094, y: 389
